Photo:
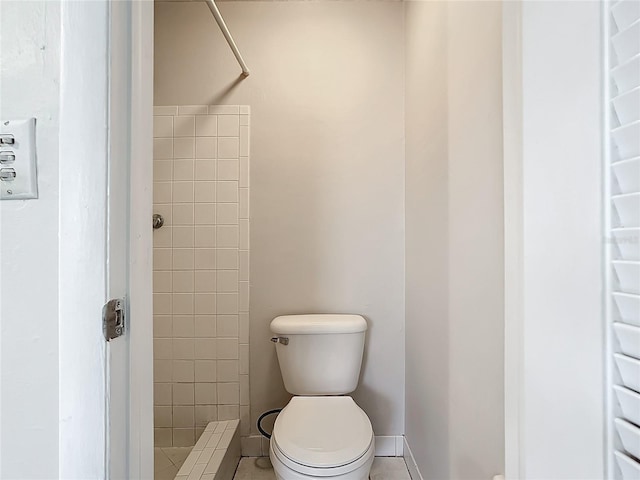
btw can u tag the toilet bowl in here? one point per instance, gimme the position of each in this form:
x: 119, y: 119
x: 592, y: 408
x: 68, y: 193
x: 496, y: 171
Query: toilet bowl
x: 321, y: 433
x: 327, y: 437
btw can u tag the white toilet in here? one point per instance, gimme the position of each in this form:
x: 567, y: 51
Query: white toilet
x: 321, y: 433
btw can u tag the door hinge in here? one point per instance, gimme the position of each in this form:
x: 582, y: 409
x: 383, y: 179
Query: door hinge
x: 113, y: 319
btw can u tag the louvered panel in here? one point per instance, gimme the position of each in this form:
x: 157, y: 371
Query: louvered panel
x: 627, y: 309
x: 627, y: 208
x: 627, y: 105
x: 623, y: 282
x: 626, y: 76
x: 625, y: 42
x: 626, y: 139
x: 625, y: 12
x: 627, y: 175
x: 628, y: 338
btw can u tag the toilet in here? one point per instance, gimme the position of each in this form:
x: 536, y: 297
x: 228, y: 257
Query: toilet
x: 322, y: 432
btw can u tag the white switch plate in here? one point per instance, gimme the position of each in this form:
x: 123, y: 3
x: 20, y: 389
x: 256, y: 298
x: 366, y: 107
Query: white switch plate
x: 25, y: 183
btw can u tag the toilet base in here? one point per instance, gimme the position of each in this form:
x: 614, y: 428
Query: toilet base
x: 284, y: 472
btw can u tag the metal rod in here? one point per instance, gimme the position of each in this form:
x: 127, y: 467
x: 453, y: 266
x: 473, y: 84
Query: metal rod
x: 225, y: 31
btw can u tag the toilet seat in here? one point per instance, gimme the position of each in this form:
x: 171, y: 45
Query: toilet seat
x: 322, y: 436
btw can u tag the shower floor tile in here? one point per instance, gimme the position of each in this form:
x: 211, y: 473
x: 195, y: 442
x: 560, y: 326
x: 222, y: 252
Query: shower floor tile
x: 384, y: 468
x: 168, y: 460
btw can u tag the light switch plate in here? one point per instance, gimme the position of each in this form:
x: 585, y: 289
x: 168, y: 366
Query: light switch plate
x: 24, y: 185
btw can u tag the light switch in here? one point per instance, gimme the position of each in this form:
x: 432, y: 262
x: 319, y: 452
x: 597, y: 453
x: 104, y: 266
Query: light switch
x: 18, y: 173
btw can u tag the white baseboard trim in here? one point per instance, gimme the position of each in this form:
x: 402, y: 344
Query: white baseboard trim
x: 412, y: 466
x: 386, y: 446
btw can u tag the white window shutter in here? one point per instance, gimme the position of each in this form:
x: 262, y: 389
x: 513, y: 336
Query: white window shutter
x: 623, y: 69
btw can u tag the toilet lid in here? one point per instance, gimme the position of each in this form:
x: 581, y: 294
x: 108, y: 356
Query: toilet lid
x: 322, y: 431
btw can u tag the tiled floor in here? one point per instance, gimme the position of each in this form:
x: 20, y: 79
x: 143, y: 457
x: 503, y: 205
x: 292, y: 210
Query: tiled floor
x: 384, y: 468
x: 169, y: 460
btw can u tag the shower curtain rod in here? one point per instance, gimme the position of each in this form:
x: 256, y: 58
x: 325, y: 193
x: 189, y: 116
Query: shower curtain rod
x: 225, y: 31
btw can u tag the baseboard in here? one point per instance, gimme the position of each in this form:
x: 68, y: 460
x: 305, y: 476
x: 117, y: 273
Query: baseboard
x: 412, y: 466
x: 386, y: 446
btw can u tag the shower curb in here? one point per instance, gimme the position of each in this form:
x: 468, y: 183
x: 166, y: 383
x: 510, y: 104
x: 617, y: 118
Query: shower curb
x: 216, y: 454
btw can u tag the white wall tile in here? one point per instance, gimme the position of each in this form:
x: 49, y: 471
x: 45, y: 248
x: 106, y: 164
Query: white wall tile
x: 183, y: 416
x: 227, y: 192
x: 228, y: 147
x: 205, y: 258
x: 184, y: 147
x: 205, y: 370
x: 162, y: 371
x: 205, y: 348
x: 205, y: 192
x: 163, y: 437
x: 192, y: 109
x: 205, y: 169
x: 163, y: 126
x: 206, y: 147
x: 229, y: 393
x: 182, y: 192
x: 197, y: 328
x: 183, y: 437
x: 227, y: 236
x: 162, y: 348
x: 227, y: 214
x: 205, y: 303
x: 227, y: 258
x: 205, y: 214
x: 183, y: 169
x: 162, y: 282
x: 227, y: 326
x: 165, y: 110
x: 162, y: 170
x: 162, y: 192
x: 205, y: 281
x: 182, y: 237
x: 162, y: 148
x: 183, y: 393
x: 205, y: 326
x: 227, y: 348
x: 183, y: 326
x: 244, y: 141
x: 227, y: 303
x: 227, y: 370
x: 206, y: 414
x: 224, y: 109
x: 205, y: 393
x: 182, y: 258
x: 228, y: 412
x: 228, y: 169
x: 163, y: 237
x: 227, y: 281
x: 184, y: 126
x: 205, y: 235
x: 162, y: 394
x: 228, y: 125
x: 162, y: 326
x: 183, y: 371
x: 183, y: 349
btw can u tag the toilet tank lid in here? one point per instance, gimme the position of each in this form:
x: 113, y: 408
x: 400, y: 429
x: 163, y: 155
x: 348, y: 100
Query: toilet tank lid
x: 318, y: 324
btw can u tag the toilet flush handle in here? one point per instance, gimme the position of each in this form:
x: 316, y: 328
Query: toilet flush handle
x: 282, y: 340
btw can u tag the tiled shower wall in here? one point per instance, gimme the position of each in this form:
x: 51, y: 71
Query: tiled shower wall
x: 201, y: 269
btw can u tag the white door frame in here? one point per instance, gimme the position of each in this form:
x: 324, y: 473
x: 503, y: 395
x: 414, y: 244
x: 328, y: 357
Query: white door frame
x: 513, y: 236
x: 84, y: 105
x: 141, y: 243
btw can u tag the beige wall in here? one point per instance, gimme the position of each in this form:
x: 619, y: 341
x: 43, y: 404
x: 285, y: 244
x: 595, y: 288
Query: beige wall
x: 454, y: 224
x: 327, y: 178
x: 426, y: 197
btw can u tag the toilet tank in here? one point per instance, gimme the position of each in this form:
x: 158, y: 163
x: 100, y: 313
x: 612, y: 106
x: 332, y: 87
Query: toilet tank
x: 319, y: 354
